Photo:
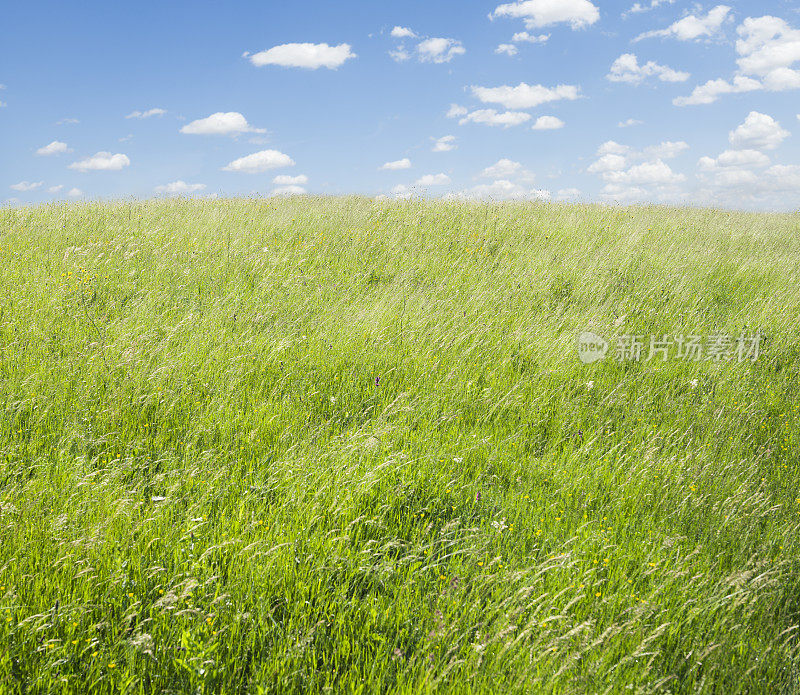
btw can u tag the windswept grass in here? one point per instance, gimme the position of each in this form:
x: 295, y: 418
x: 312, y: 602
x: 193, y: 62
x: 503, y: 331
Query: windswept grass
x: 339, y: 445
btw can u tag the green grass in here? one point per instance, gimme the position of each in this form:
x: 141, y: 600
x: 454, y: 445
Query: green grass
x: 243, y: 443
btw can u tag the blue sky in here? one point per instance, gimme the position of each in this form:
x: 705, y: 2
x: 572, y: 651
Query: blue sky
x: 659, y: 101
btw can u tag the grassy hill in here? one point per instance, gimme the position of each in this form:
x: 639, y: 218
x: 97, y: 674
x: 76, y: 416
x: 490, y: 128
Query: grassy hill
x: 339, y: 445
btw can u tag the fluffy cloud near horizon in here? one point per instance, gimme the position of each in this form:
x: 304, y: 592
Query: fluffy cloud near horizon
x: 432, y: 180
x: 178, y: 187
x: 54, y: 147
x: 102, y: 161
x: 260, y: 161
x: 287, y: 180
x: 759, y: 132
x: 541, y: 13
x: 26, y: 186
x: 220, y: 123
x: 310, y: 56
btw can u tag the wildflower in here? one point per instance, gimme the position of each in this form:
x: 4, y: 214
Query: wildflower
x: 589, y: 386
x: 458, y: 459
x: 478, y: 496
x: 693, y: 382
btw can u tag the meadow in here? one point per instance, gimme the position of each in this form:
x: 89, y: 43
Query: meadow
x: 341, y: 445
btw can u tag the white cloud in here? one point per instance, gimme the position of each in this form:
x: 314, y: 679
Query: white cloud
x: 494, y: 118
x: 666, y: 150
x: 608, y: 162
x: 260, y: 161
x: 647, y: 173
x: 628, y: 123
x: 524, y: 96
x: 734, y: 158
x: 612, y: 147
x: 102, y: 161
x: 400, y: 54
x: 540, y: 13
x: 178, y: 187
x: 286, y: 180
x: 230, y: 123
x: 55, y: 189
x: 692, y: 27
x: 304, y: 55
x: 626, y: 68
x: 456, y: 111
x: 709, y: 92
x: 26, y: 186
x: 54, y: 147
x: 568, y: 193
x: 146, y: 114
x: 439, y: 50
x: 547, y: 123
x: 432, y: 180
x: 638, y: 7
x: 403, y: 33
x: 289, y: 190
x: 502, y: 189
x: 508, y: 48
x: 404, y: 163
x: 67, y: 121
x: 759, y: 132
x: 74, y: 192
x: 525, y: 37
x: 444, y: 144
x: 504, y: 169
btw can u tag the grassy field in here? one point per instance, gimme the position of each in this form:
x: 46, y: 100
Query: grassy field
x: 342, y: 445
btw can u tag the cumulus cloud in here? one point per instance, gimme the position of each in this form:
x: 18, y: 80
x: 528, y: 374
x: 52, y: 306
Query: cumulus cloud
x: 524, y: 96
x: 692, y: 27
x: 656, y: 172
x: 439, y: 50
x: 304, y: 55
x: 286, y: 180
x: 734, y: 158
x: 768, y: 49
x: 502, y: 189
x: 759, y: 132
x: 102, y: 161
x: 444, y: 144
x: 540, y: 13
x: 260, y: 161
x: 55, y: 189
x: 508, y: 169
x: 229, y: 123
x: 26, y: 186
x: 54, y: 147
x: 492, y: 117
x: 508, y: 48
x: 398, y: 164
x: 178, y: 187
x: 432, y: 180
x: 525, y: 37
x: 547, y: 123
x: 74, y: 192
x: 626, y: 68
x: 403, y: 33
x: 146, y: 114
x: 638, y: 7
x: 455, y: 111
x: 628, y: 123
x: 710, y: 91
